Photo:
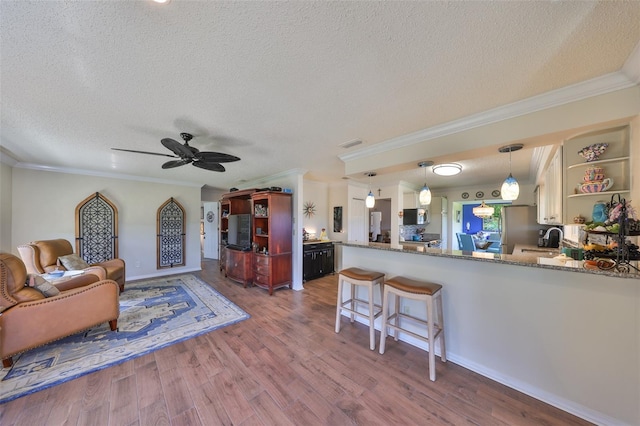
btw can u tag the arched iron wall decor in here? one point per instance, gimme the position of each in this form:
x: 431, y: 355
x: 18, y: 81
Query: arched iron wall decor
x: 97, y: 229
x: 171, y: 234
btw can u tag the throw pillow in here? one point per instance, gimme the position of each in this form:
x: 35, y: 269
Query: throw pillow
x: 73, y: 262
x: 42, y: 285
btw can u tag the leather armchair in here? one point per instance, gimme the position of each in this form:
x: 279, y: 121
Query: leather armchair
x: 28, y: 319
x: 42, y: 256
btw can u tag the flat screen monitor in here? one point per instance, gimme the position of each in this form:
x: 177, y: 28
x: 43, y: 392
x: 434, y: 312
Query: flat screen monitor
x: 239, y: 231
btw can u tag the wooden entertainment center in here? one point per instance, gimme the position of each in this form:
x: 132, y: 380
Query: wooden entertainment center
x: 266, y: 262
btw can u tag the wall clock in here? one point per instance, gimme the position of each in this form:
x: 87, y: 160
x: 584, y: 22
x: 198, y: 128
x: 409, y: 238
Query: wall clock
x: 209, y: 217
x: 309, y: 209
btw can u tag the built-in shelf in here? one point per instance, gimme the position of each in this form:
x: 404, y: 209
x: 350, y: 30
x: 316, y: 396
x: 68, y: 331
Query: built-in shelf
x: 599, y: 162
x: 591, y: 194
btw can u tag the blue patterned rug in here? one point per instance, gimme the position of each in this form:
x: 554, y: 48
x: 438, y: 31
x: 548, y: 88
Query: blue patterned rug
x: 153, y: 314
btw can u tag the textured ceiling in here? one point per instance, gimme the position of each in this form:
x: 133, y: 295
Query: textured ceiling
x: 279, y: 84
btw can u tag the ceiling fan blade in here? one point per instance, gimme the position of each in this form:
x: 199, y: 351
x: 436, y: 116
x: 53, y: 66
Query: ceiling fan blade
x: 177, y: 148
x: 144, y: 152
x: 214, y: 167
x: 216, y: 157
x: 175, y: 163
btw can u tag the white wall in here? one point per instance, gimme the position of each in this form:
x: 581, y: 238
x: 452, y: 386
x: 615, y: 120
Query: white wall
x: 6, y: 182
x: 43, y: 207
x: 318, y: 194
x: 567, y: 338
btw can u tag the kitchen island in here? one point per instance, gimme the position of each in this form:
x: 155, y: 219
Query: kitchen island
x: 560, y: 333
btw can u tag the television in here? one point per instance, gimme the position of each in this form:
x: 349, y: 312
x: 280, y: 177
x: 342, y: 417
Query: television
x: 239, y: 236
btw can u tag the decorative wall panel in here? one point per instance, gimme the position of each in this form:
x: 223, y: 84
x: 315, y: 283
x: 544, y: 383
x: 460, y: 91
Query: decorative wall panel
x: 96, y: 229
x: 171, y: 234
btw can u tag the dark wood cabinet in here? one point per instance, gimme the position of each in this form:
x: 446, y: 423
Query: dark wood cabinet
x: 272, y: 239
x: 238, y: 202
x: 317, y: 260
x: 239, y: 266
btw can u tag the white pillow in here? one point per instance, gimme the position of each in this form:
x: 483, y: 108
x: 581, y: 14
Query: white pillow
x: 42, y: 285
x: 73, y: 262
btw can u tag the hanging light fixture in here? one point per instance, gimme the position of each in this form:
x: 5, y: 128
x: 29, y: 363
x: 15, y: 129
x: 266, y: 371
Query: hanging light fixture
x: 510, y: 188
x: 483, y: 211
x: 425, y: 192
x: 447, y: 169
x: 370, y: 201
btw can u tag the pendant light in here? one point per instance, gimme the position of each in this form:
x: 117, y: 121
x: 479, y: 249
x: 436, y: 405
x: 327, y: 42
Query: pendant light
x: 425, y: 192
x: 483, y: 211
x: 510, y: 188
x: 370, y: 201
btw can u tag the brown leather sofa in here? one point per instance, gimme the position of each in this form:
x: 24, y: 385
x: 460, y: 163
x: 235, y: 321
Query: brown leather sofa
x: 42, y: 256
x: 28, y: 319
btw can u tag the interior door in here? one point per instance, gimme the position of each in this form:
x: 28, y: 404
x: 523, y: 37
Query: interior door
x: 210, y: 237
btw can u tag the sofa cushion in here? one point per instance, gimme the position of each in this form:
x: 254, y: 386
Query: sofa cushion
x: 73, y: 262
x: 43, y: 286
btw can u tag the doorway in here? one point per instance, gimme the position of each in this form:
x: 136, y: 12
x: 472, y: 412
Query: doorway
x: 210, y: 222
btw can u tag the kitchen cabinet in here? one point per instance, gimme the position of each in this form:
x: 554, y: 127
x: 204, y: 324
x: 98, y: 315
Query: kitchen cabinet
x: 317, y: 260
x: 550, y: 197
x: 615, y: 162
x: 410, y: 200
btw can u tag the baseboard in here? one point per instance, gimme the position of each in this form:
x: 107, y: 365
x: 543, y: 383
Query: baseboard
x: 563, y: 404
x: 162, y: 273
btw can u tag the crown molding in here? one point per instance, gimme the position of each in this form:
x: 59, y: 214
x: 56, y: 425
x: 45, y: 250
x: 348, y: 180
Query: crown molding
x: 597, y: 86
x: 631, y: 67
x: 109, y: 175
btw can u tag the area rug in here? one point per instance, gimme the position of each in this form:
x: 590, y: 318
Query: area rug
x: 153, y: 314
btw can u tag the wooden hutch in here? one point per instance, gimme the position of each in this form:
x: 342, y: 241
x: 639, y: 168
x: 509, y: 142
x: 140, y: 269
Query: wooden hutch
x: 269, y: 262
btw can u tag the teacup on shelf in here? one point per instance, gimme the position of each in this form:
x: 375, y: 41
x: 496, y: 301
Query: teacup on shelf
x: 593, y: 174
x: 592, y: 187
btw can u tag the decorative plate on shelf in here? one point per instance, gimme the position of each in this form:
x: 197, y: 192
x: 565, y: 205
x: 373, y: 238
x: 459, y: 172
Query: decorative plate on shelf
x: 495, y: 193
x: 479, y: 194
x: 465, y: 195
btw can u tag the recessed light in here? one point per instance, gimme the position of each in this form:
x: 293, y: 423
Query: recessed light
x: 161, y: 1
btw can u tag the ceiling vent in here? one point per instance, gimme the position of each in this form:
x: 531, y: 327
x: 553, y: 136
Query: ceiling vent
x: 349, y: 144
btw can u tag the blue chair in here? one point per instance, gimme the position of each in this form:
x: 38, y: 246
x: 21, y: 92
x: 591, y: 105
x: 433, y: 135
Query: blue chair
x: 466, y: 242
x: 495, y: 244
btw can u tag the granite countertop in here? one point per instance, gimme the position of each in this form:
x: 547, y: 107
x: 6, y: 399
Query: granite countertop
x: 547, y: 260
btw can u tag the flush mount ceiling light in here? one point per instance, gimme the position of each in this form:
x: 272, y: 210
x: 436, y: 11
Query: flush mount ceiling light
x: 161, y: 1
x: 425, y: 192
x: 370, y: 201
x: 483, y: 211
x: 510, y: 188
x: 447, y: 169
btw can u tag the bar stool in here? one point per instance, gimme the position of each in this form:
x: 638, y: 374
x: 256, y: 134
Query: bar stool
x: 416, y: 290
x: 360, y: 277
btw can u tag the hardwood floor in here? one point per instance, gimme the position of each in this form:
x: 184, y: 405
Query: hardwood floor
x: 283, y: 366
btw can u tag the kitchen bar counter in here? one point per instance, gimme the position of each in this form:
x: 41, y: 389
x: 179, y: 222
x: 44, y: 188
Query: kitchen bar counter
x: 564, y: 335
x: 537, y: 259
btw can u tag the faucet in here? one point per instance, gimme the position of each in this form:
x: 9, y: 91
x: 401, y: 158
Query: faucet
x: 560, y: 237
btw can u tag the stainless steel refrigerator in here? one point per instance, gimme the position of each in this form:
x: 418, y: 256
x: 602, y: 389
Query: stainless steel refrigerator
x: 519, y: 226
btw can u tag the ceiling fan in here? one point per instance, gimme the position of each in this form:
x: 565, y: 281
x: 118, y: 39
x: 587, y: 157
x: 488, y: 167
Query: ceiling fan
x: 189, y: 155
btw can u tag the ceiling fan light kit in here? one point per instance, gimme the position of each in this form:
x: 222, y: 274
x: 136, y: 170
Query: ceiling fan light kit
x: 187, y: 154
